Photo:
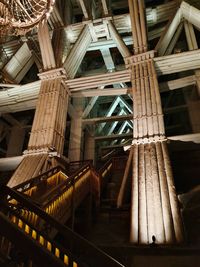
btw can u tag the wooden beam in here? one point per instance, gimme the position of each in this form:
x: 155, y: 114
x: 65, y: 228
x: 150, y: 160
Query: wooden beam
x: 24, y: 97
x: 114, y: 136
x: 191, y: 14
x: 118, y: 40
x: 177, y: 62
x: 46, y: 48
x: 105, y: 7
x: 177, y: 83
x: 84, y: 9
x: 186, y: 138
x: 17, y: 67
x: 95, y: 81
x: 108, y: 119
x: 168, y: 34
x: 55, y: 20
x: 174, y: 39
x: 128, y: 40
x: 74, y: 59
x: 156, y: 15
x: 102, y: 92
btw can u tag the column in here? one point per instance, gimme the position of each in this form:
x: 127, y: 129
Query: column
x: 89, y: 146
x: 48, y: 129
x: 154, y: 205
x: 154, y: 209
x: 75, y: 142
x: 49, y: 123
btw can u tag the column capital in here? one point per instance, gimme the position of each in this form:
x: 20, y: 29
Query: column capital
x: 136, y: 59
x: 52, y: 74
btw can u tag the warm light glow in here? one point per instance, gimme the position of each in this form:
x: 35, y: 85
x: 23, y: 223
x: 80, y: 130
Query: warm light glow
x: 18, y: 18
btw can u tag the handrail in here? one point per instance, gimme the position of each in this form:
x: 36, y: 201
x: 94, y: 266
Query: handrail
x: 56, y: 196
x: 76, y: 165
x: 30, y: 247
x: 42, y: 238
x: 65, y: 185
x: 78, y: 246
x: 101, y: 170
x: 104, y: 171
x: 36, y: 180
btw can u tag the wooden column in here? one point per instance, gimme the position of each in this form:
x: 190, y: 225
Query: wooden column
x: 192, y: 45
x: 46, y: 49
x: 49, y: 123
x: 154, y: 205
x: 136, y: 9
x: 48, y: 129
x: 75, y: 141
x: 154, y: 209
x: 89, y: 146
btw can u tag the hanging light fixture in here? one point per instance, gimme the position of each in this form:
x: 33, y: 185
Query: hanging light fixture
x: 19, y: 16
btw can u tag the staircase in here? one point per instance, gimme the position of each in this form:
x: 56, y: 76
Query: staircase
x: 113, y: 170
x: 112, y: 226
x: 33, y: 213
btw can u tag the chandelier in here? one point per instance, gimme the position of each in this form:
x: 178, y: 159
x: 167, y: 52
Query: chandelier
x: 19, y: 16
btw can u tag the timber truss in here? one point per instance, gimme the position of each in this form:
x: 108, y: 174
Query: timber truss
x: 103, y: 31
x: 120, y: 96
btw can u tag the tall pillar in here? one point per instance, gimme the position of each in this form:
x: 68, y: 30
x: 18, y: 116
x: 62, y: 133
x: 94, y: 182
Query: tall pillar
x: 48, y: 129
x: 75, y: 142
x: 49, y: 123
x: 154, y: 204
x: 154, y: 210
x: 89, y: 146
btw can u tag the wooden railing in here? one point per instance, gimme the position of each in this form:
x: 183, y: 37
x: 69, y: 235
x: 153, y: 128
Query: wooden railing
x: 86, y: 253
x: 74, y: 166
x: 104, y: 173
x: 52, y: 193
x: 36, y: 180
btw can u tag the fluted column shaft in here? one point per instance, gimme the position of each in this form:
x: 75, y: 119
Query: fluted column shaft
x: 49, y: 123
x: 154, y: 206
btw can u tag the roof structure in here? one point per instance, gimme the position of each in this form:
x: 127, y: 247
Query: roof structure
x: 91, y: 40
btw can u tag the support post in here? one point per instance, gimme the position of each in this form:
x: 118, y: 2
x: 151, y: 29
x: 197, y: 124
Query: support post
x: 75, y: 142
x: 155, y: 214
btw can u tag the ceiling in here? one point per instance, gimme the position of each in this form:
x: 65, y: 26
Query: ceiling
x: 21, y: 62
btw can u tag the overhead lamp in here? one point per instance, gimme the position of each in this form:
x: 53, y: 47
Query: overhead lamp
x: 20, y: 16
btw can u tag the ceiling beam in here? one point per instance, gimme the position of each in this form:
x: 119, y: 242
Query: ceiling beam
x: 24, y: 97
x: 156, y: 15
x: 114, y: 136
x: 195, y: 137
x: 108, y: 119
x: 105, y: 7
x: 48, y: 58
x: 19, y: 64
x: 84, y: 9
x: 74, y: 59
x: 102, y: 92
x: 177, y: 83
x: 168, y: 34
x: 118, y: 40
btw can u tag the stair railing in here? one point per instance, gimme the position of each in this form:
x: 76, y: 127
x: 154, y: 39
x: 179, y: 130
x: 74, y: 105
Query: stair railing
x: 85, y: 251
